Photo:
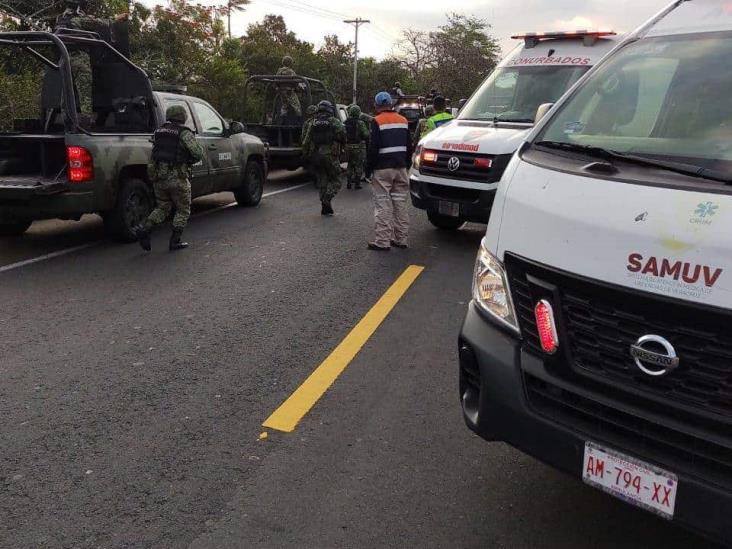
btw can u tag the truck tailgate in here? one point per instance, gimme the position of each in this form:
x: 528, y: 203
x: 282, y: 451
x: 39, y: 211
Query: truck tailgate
x: 19, y: 187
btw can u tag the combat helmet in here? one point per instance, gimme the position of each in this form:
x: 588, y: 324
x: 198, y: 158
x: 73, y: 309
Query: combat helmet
x: 177, y: 114
x: 326, y: 106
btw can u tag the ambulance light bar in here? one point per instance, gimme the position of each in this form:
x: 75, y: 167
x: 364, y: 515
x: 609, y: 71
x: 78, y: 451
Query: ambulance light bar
x: 531, y: 39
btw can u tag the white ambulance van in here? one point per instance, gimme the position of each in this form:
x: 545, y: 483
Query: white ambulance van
x: 457, y: 166
x: 599, y: 337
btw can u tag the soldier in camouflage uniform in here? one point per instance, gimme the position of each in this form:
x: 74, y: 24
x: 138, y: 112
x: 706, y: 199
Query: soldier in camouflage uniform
x: 357, y: 137
x: 309, y: 115
x: 321, y: 145
x: 290, y: 100
x: 175, y: 150
x: 75, y: 17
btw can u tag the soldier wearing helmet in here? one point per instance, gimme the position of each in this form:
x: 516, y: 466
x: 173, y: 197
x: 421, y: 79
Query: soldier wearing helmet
x: 321, y: 144
x: 175, y: 150
x: 357, y: 138
x: 291, y: 109
x: 75, y: 17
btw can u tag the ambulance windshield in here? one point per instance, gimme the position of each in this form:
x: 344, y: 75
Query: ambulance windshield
x: 662, y: 97
x: 513, y: 94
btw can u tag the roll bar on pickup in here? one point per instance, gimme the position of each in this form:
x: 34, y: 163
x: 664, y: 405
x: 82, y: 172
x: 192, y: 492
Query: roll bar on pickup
x: 28, y: 40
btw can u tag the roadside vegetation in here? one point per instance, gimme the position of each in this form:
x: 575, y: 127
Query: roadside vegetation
x: 189, y: 44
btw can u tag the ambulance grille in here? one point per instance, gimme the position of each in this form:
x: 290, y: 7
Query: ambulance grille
x: 467, y: 171
x: 597, y: 324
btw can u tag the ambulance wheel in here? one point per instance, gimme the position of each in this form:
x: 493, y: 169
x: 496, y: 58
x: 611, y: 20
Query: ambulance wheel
x: 445, y: 222
x: 251, y: 190
x: 135, y: 201
x: 14, y: 229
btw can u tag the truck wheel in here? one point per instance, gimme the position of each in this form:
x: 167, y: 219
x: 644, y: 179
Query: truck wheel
x: 445, y: 222
x: 14, y: 229
x: 135, y: 201
x: 250, y: 192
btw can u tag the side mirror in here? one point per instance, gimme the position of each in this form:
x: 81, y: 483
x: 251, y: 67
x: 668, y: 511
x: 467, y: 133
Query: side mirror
x: 461, y: 103
x: 542, y: 110
x: 236, y: 127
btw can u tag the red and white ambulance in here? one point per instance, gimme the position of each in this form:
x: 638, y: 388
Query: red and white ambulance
x: 457, y: 166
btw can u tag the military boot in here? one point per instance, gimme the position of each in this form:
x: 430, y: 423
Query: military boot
x: 143, y: 237
x: 175, y: 241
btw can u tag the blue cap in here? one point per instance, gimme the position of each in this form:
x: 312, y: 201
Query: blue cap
x: 383, y: 99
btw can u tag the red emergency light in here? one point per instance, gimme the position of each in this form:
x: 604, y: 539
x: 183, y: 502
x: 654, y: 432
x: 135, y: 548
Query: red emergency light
x: 484, y: 163
x: 429, y: 156
x: 531, y: 39
x: 546, y: 326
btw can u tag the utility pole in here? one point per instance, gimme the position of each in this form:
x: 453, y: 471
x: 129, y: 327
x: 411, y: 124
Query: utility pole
x: 356, y: 23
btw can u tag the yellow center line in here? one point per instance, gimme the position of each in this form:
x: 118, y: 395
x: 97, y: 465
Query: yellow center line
x: 288, y: 415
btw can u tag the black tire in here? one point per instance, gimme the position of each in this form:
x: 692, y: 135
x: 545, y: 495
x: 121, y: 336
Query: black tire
x: 444, y: 222
x: 14, y: 229
x: 250, y: 192
x: 135, y: 201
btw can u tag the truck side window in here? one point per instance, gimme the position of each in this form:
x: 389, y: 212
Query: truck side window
x: 190, y: 123
x: 211, y: 124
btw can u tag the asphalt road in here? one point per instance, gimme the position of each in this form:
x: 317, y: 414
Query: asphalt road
x: 134, y: 387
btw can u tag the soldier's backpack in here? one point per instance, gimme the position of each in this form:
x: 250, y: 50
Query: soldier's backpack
x: 167, y: 146
x: 353, y: 136
x: 323, y: 131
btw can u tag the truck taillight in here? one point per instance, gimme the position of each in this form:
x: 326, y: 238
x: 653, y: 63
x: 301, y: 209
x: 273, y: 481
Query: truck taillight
x: 81, y: 164
x: 546, y: 326
x: 429, y: 156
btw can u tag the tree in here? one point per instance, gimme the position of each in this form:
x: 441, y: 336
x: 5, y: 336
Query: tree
x: 336, y: 64
x: 416, y: 52
x: 267, y: 42
x: 465, y: 54
x: 231, y: 7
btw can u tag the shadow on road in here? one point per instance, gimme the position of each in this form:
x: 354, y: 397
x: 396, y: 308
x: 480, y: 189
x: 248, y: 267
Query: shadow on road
x: 51, y: 235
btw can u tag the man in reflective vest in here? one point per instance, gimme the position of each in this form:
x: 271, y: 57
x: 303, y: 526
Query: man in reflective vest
x: 440, y: 118
x: 389, y: 155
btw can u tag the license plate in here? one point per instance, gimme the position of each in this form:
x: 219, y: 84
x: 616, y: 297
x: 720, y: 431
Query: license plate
x: 634, y: 481
x: 449, y: 208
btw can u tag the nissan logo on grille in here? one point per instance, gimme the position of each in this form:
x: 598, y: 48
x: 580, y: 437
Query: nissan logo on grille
x: 453, y: 164
x: 654, y: 355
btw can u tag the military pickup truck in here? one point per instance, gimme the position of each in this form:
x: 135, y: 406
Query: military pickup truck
x: 82, y: 143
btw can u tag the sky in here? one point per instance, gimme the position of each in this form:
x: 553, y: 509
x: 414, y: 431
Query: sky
x: 312, y: 19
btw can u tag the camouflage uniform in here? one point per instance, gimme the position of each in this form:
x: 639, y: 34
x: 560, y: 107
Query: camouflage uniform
x: 356, y: 152
x: 75, y: 18
x: 323, y: 157
x: 172, y: 184
x: 309, y: 115
x: 290, y: 100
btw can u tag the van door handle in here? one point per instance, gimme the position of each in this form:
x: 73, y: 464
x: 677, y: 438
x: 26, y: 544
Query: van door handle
x: 212, y: 147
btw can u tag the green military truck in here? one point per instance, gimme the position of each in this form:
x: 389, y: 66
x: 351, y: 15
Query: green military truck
x: 76, y: 135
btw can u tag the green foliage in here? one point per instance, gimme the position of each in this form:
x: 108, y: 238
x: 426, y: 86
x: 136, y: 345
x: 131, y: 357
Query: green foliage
x: 187, y: 43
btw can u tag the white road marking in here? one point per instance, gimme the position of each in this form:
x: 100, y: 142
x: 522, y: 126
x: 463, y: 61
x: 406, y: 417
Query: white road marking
x: 67, y: 251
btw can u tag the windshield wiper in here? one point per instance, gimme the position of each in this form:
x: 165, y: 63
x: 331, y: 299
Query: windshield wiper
x: 608, y: 154
x: 518, y: 120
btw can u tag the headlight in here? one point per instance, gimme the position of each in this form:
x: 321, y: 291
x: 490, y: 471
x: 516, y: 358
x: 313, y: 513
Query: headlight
x: 416, y: 158
x: 490, y: 290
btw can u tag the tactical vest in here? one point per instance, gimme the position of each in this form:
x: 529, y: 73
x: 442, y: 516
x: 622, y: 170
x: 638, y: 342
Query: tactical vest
x: 322, y: 130
x: 353, y: 135
x: 166, y: 144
